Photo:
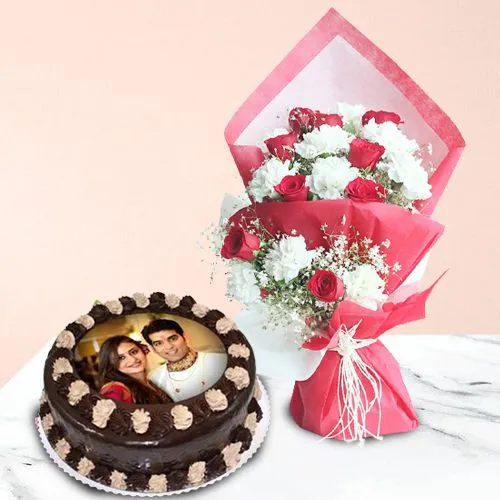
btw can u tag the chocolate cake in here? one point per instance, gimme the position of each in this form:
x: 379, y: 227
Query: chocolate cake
x: 153, y: 448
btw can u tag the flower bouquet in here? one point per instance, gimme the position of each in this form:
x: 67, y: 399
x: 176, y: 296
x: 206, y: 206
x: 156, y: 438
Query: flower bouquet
x: 334, y: 64
x: 311, y: 280
x: 325, y: 249
x: 358, y: 154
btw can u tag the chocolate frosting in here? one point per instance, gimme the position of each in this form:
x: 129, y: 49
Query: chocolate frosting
x: 86, y: 406
x: 138, y: 481
x: 243, y: 435
x: 100, y: 313
x: 157, y: 302
x: 176, y: 479
x: 77, y: 330
x: 73, y: 458
x: 63, y: 383
x: 185, y: 307
x: 237, y: 362
x: 100, y: 473
x: 255, y: 407
x: 120, y: 422
x: 232, y: 337
x: 161, y: 424
x: 200, y: 410
x: 215, y: 467
x: 55, y: 434
x: 228, y: 388
x: 128, y: 304
x: 212, y: 317
x: 59, y: 352
x: 44, y: 409
x: 162, y: 448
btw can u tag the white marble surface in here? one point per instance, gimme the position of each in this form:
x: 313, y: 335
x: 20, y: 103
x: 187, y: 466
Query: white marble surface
x: 454, y: 454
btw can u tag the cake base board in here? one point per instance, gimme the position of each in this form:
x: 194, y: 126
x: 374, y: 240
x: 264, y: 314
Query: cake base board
x: 258, y: 439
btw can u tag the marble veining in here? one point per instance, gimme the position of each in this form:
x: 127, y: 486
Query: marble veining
x: 454, y: 382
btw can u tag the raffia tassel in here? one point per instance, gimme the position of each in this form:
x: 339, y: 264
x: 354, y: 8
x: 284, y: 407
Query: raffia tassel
x: 354, y: 403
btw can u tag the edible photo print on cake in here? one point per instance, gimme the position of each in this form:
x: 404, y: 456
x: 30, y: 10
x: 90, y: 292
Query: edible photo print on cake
x: 150, y: 358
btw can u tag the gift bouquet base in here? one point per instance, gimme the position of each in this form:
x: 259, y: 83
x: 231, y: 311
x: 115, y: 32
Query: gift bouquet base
x: 316, y: 405
x: 258, y: 439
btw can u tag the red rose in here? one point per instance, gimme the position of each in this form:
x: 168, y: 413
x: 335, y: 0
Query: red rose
x: 281, y: 146
x: 239, y: 244
x: 364, y: 154
x: 264, y: 293
x: 326, y: 286
x: 381, y: 117
x: 302, y: 120
x: 293, y: 188
x: 326, y: 119
x: 365, y: 190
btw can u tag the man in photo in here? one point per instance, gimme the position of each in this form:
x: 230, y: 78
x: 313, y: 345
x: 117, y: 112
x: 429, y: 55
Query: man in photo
x: 186, y: 372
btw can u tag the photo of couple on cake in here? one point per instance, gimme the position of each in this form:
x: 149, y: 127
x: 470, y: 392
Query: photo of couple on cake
x: 124, y: 372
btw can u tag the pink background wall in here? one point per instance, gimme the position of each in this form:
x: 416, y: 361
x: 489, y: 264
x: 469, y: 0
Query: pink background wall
x: 113, y: 158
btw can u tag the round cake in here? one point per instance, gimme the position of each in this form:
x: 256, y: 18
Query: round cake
x: 150, y: 447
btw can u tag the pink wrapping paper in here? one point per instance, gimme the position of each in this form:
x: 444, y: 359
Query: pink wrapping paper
x: 314, y: 404
x: 411, y: 236
x: 335, y: 63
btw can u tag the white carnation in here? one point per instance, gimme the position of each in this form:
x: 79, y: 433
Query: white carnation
x: 390, y: 136
x: 325, y: 139
x: 330, y: 176
x: 275, y: 133
x: 242, y: 283
x: 364, y: 286
x: 288, y: 258
x: 266, y: 177
x: 351, y: 113
x: 407, y: 169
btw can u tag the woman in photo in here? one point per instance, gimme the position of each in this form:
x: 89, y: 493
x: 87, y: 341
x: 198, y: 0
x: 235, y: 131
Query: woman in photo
x: 122, y: 372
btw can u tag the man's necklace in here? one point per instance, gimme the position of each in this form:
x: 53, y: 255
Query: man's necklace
x: 175, y: 381
x: 183, y: 364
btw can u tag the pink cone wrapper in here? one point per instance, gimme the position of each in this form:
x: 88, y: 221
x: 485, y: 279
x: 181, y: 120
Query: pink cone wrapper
x: 335, y: 63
